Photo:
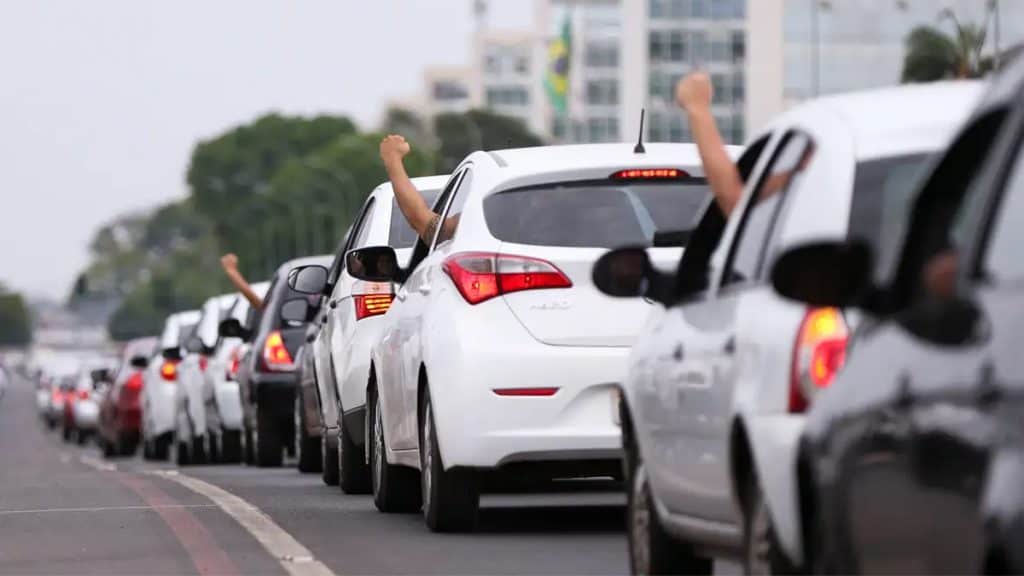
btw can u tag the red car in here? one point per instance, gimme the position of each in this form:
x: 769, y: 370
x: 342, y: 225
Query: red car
x: 120, y: 418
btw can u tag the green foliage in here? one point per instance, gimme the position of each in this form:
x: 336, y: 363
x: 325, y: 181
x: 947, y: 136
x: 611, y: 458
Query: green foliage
x: 15, y: 323
x: 931, y: 54
x: 462, y: 134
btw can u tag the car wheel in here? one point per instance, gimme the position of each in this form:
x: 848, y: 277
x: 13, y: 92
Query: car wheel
x: 269, y: 449
x: 147, y: 449
x: 249, y: 450
x: 108, y: 447
x: 81, y: 437
x: 329, y: 459
x: 395, y: 488
x: 451, y: 498
x: 307, y: 449
x: 162, y: 446
x: 66, y: 433
x: 651, y: 549
x: 213, y: 452
x: 198, y: 451
x: 762, y: 553
x: 231, y: 446
x: 181, y: 453
x: 353, y: 474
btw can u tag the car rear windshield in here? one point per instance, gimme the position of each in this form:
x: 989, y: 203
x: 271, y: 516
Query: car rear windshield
x: 882, y: 194
x: 402, y: 235
x: 598, y: 214
x: 185, y: 332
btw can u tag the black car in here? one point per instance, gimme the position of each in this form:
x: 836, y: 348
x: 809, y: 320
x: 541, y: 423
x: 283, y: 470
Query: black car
x: 268, y: 375
x: 913, y: 460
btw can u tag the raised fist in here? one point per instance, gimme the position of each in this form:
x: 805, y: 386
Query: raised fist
x: 694, y: 91
x: 393, y: 147
x: 229, y: 262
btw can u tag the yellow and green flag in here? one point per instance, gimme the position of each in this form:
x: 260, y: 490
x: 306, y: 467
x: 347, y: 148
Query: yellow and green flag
x: 557, y: 79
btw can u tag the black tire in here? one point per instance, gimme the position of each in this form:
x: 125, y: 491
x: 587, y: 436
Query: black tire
x: 651, y: 549
x: 162, y: 446
x: 249, y: 449
x: 451, y: 498
x: 307, y: 449
x: 108, y: 447
x: 231, y: 446
x: 198, y: 451
x: 354, y: 473
x: 213, y: 455
x: 329, y: 459
x: 81, y: 437
x: 127, y: 446
x: 147, y: 449
x: 395, y: 488
x: 182, y: 453
x: 762, y: 553
x: 65, y: 433
x: 269, y: 448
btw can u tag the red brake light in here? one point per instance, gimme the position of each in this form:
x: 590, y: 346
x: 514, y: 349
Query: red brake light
x: 203, y: 363
x: 235, y: 364
x: 480, y: 276
x: 818, y: 356
x: 650, y: 174
x: 58, y: 396
x: 134, y: 382
x: 550, y: 391
x: 83, y: 394
x: 275, y: 355
x: 169, y: 370
x: 371, y: 304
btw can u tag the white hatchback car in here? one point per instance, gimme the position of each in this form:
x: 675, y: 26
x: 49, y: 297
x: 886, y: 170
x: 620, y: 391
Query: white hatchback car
x: 499, y: 353
x: 208, y: 404
x: 352, y: 324
x: 719, y: 381
x: 160, y: 385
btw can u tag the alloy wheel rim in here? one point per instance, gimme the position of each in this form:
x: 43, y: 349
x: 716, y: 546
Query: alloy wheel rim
x: 378, y: 446
x: 428, y: 455
x: 640, y: 525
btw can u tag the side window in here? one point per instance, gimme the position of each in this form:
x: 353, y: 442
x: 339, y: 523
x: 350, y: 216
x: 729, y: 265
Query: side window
x: 785, y: 170
x: 1001, y: 263
x: 363, y: 231
x: 692, y: 273
x: 421, y: 249
x: 450, y: 220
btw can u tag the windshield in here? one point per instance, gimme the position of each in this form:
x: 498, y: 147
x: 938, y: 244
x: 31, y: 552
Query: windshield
x: 598, y: 214
x: 402, y: 235
x: 185, y: 331
x: 882, y: 194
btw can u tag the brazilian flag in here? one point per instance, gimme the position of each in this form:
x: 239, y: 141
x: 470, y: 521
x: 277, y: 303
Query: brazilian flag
x: 557, y: 78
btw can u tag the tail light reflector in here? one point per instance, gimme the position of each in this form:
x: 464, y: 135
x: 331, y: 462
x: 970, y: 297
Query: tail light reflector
x: 169, y: 370
x: 550, y: 391
x: 83, y: 394
x: 234, y: 364
x: 276, y: 356
x: 480, y: 276
x: 203, y: 363
x: 818, y: 355
x: 371, y: 304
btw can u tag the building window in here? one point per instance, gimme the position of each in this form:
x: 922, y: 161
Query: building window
x: 507, y: 96
x: 738, y: 45
x: 448, y: 90
x: 738, y: 92
x: 699, y: 9
x: 676, y: 47
x: 720, y: 51
x: 657, y: 47
x: 603, y: 92
x: 602, y: 55
x: 719, y: 88
x: 699, y: 49
x: 659, y: 8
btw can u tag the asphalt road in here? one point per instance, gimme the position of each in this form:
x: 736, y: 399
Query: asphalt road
x: 64, y: 510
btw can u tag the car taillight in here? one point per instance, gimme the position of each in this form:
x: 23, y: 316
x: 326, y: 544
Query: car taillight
x: 203, y: 363
x: 169, y: 370
x: 480, y: 276
x: 818, y: 355
x: 275, y: 355
x: 83, y: 394
x: 234, y: 364
x: 371, y: 304
x: 650, y: 174
x: 58, y: 396
x: 134, y: 382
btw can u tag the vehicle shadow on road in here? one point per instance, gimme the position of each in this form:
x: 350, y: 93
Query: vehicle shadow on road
x: 551, y: 519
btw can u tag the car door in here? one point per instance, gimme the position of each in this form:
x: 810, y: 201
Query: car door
x: 411, y: 298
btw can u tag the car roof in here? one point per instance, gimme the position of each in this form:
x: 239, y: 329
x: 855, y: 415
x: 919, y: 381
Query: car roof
x: 897, y: 119
x: 186, y: 317
x: 611, y: 157
x: 420, y: 182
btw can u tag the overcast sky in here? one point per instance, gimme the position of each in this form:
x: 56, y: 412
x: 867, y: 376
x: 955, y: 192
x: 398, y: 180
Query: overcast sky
x: 101, y: 101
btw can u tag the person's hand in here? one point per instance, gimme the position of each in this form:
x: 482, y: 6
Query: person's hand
x: 694, y: 92
x: 940, y: 274
x: 393, y: 147
x: 229, y: 262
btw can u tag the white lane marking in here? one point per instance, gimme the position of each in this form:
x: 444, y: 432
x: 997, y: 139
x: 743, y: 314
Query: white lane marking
x: 295, y: 558
x: 101, y: 509
x: 97, y: 464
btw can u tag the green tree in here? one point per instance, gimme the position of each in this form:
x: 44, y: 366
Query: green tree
x: 931, y: 54
x: 403, y: 121
x: 15, y: 322
x: 461, y: 134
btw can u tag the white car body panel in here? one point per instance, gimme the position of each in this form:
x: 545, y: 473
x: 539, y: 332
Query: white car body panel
x: 564, y: 338
x: 723, y: 362
x: 159, y: 397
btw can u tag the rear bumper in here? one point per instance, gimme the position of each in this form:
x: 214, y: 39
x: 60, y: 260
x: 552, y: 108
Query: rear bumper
x: 159, y: 406
x: 86, y: 414
x: 477, y: 427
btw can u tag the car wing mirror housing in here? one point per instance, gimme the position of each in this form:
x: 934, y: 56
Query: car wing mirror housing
x: 232, y: 328
x: 308, y: 279
x: 628, y: 273
x: 296, y: 310
x: 837, y: 274
x: 373, y: 264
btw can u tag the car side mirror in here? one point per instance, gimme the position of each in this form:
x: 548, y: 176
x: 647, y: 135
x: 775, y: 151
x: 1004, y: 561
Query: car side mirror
x: 835, y: 274
x: 295, y: 310
x: 100, y: 375
x: 140, y: 362
x: 171, y: 353
x: 628, y: 273
x: 232, y: 328
x: 308, y: 279
x: 373, y: 264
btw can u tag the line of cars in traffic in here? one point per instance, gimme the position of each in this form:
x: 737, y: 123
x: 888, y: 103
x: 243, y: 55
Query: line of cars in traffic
x: 821, y: 378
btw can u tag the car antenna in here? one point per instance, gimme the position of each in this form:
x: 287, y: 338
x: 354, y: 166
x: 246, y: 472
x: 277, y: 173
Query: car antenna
x: 639, y: 149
